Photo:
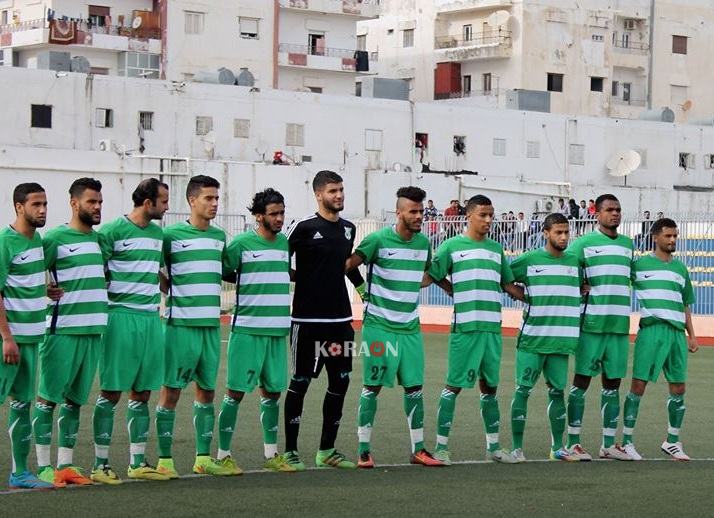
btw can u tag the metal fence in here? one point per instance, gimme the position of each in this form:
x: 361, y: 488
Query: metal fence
x: 695, y: 248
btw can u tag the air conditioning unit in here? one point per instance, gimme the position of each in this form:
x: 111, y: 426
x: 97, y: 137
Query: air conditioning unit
x: 544, y: 205
x: 630, y: 24
x: 106, y: 145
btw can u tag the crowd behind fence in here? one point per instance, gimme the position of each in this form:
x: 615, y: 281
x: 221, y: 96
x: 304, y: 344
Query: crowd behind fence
x: 695, y: 246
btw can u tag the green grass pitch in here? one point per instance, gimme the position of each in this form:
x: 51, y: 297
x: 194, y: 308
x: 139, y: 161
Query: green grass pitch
x: 657, y: 487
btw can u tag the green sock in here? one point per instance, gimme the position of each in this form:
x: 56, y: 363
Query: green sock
x: 165, y: 419
x: 20, y: 433
x: 414, y: 408
x: 365, y: 418
x: 556, y: 415
x: 103, y: 424
x: 67, y: 430
x: 203, y: 421
x: 269, y: 413
x: 675, y: 409
x: 576, y: 409
x: 519, y: 411
x: 42, y: 431
x: 491, y: 415
x: 444, y: 418
x: 629, y: 416
x: 137, y: 421
x: 610, y: 409
x: 227, y: 419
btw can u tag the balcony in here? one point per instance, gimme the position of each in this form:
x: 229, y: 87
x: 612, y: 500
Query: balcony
x: 483, y: 45
x: 631, y: 47
x: 455, y: 6
x: 322, y: 58
x: 107, y: 37
x: 358, y: 8
x: 495, y: 92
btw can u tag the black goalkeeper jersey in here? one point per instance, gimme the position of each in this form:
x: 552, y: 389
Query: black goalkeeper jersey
x: 321, y: 248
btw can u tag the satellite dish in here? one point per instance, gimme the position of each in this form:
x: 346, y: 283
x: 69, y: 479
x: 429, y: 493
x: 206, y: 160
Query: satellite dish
x: 136, y: 23
x: 686, y: 105
x: 498, y: 18
x: 624, y: 162
x: 396, y: 167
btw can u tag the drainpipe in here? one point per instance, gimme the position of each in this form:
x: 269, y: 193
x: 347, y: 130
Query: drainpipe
x: 276, y: 41
x: 651, y: 59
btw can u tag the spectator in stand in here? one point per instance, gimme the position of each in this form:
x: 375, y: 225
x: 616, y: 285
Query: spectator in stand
x: 451, y: 214
x: 660, y: 215
x: 583, y: 210
x: 535, y: 232
x: 563, y: 208
x: 521, y: 232
x: 573, y: 209
x: 591, y: 209
x: 430, y: 211
x: 510, y: 230
x: 644, y: 240
x: 463, y: 207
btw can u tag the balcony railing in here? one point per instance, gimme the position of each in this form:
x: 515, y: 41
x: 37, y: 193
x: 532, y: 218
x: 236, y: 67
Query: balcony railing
x: 27, y: 25
x: 495, y: 92
x: 631, y: 46
x: 479, y: 39
x: 84, y: 26
x: 629, y: 102
x: 321, y: 51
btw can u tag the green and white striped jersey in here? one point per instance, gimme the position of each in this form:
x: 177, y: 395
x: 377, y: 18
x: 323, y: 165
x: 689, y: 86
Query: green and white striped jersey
x: 663, y: 290
x: 194, y: 262
x: 478, y: 269
x: 396, y: 269
x: 23, y: 286
x: 551, y: 318
x: 607, y: 264
x: 262, y: 284
x: 134, y: 259
x: 75, y: 262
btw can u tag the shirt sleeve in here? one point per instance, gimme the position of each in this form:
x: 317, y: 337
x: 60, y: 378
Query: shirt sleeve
x: 367, y: 249
x: 49, y: 249
x: 506, y: 272
x: 167, y: 249
x: 519, y: 267
x: 161, y: 237
x: 5, y: 261
x: 442, y: 264
x: 232, y: 256
x: 106, y: 242
x: 294, y: 237
x: 688, y: 296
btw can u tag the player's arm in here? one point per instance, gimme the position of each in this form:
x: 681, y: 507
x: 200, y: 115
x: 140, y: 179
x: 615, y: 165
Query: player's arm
x: 438, y: 270
x: 516, y: 291
x: 508, y: 278
x: 691, y: 338
x: 49, y: 247
x: 353, y: 261
x: 231, y: 261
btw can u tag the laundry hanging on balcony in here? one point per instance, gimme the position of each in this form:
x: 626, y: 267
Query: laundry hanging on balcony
x: 361, y: 61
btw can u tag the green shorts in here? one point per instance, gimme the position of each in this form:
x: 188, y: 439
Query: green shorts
x: 553, y: 366
x: 257, y: 360
x: 18, y: 381
x: 660, y: 347
x: 132, y: 352
x: 392, y: 354
x: 191, y: 354
x: 68, y: 364
x: 472, y: 356
x: 602, y: 352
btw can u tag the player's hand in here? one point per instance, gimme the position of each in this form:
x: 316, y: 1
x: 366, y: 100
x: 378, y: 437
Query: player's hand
x: 54, y: 292
x: 362, y: 291
x: 10, y: 352
x: 585, y: 289
x: 692, y: 344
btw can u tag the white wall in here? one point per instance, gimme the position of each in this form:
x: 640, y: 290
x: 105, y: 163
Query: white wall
x: 334, y: 130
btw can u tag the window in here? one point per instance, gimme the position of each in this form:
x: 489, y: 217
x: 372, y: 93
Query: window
x: 294, y: 134
x: 98, y: 14
x: 248, y: 28
x: 533, y: 149
x: 576, y: 154
x: 41, y: 116
x: 486, y: 83
x: 630, y: 24
x: 626, y: 89
x: 468, y: 32
x: 709, y: 161
x: 146, y: 121
x: 459, y: 145
x: 390, y: 31
x: 555, y: 82
x: 615, y: 89
x: 3, y: 19
x: 104, y: 118
x: 625, y: 41
x: 358, y: 89
x: 408, y: 38
x: 598, y: 37
x: 361, y: 42
x: 99, y: 71
x: 373, y: 140
x: 499, y: 147
x: 315, y: 89
x: 596, y: 84
x: 316, y: 44
x: 679, y: 44
x: 678, y: 95
x: 686, y: 161
x: 193, y: 22
x: 139, y: 64
x: 466, y: 84
x: 241, y: 128
x: 203, y: 125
